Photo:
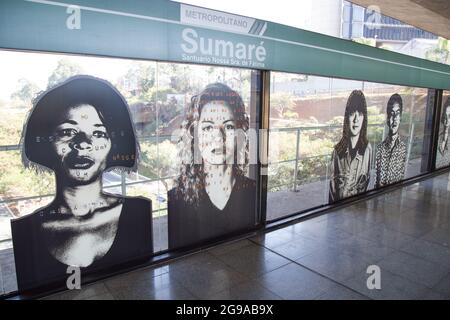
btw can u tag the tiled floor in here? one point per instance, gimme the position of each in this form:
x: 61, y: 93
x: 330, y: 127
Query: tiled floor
x: 405, y: 232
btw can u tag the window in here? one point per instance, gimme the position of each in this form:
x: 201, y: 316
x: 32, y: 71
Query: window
x: 308, y: 164
x: 442, y: 153
x: 159, y: 96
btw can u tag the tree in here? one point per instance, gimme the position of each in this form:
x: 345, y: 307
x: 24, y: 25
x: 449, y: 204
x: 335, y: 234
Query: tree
x: 26, y: 92
x: 439, y: 53
x: 64, y: 70
x: 367, y: 41
x: 139, y: 81
x: 157, y: 161
x: 179, y: 76
x: 282, y: 102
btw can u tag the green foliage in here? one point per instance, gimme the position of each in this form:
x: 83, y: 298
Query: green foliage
x: 26, y: 92
x: 177, y: 75
x: 16, y: 181
x: 440, y: 52
x: 290, y: 115
x: 11, y: 122
x: 282, y: 102
x: 280, y: 176
x: 158, y: 160
x: 139, y: 81
x: 160, y: 95
x: 367, y: 41
x: 64, y: 70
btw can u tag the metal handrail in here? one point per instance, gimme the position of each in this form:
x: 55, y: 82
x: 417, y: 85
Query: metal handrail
x: 298, y: 130
x: 297, y: 159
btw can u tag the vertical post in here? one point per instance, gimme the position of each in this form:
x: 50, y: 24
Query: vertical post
x: 435, y: 103
x: 296, y: 159
x: 264, y: 143
x: 123, y: 183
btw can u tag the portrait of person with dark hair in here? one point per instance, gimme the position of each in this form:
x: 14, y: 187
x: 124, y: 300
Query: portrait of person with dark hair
x: 78, y: 129
x: 390, y: 155
x: 443, y: 150
x: 351, y: 158
x: 212, y: 195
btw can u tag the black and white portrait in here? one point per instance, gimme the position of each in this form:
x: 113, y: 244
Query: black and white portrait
x: 78, y: 130
x: 351, y: 158
x: 212, y: 195
x: 390, y: 154
x: 443, y: 149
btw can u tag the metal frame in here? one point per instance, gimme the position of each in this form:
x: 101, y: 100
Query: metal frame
x: 264, y: 143
x: 435, y: 129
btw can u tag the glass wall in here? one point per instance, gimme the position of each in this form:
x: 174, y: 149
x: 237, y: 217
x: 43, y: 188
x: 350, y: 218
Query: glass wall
x: 442, y: 151
x: 165, y: 101
x: 197, y: 128
x: 320, y: 126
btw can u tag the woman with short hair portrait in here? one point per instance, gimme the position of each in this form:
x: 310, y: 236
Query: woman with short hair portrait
x: 78, y: 130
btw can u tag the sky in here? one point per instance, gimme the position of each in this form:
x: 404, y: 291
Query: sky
x: 37, y: 67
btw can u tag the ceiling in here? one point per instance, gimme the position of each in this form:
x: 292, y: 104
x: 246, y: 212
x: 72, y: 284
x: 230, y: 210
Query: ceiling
x: 429, y: 15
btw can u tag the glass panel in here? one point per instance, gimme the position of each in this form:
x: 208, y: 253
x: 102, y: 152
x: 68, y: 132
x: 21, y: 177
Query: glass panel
x: 301, y: 125
x: 443, y: 149
x: 159, y: 98
x: 314, y: 158
x: 199, y: 110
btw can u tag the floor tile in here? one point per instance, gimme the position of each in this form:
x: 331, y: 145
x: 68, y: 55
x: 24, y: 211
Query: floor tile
x: 105, y: 296
x: 414, y: 268
x: 365, y: 249
x: 339, y: 292
x: 429, y: 251
x: 275, y: 238
x: 336, y: 265
x: 293, y: 282
x: 386, y: 236
x: 439, y: 235
x: 320, y: 230
x: 205, y: 278
x: 297, y: 248
x: 443, y: 287
x: 143, y: 287
x: 433, y: 295
x: 85, y: 292
x: 393, y: 287
x: 408, y: 225
x: 253, y: 260
x: 249, y: 290
x: 229, y: 247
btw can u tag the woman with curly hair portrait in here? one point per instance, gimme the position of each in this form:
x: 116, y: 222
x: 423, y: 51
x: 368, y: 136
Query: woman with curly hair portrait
x: 351, y: 158
x: 78, y: 130
x: 212, y: 195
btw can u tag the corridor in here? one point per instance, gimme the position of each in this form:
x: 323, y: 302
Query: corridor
x: 406, y: 233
